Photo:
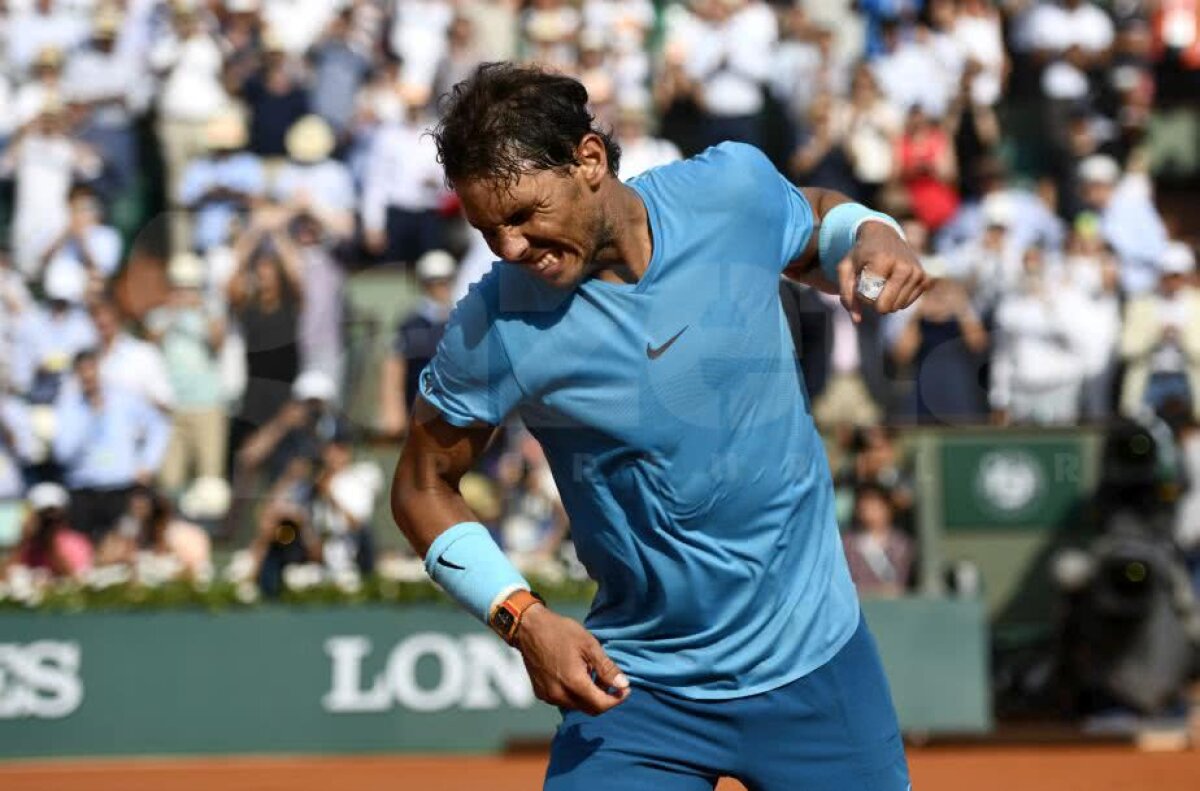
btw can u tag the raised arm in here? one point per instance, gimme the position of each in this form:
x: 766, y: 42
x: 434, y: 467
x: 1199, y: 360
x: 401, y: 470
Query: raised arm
x: 856, y: 239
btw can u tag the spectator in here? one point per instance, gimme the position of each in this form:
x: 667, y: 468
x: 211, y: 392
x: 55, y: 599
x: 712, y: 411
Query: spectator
x: 38, y: 27
x: 106, y: 83
x: 284, y: 537
x: 909, y: 74
x: 926, y: 167
x: 879, y: 554
x: 266, y: 296
x: 222, y: 184
x: 107, y: 440
x: 150, y: 526
x: 495, y: 25
x: 190, y: 333
x: 821, y: 159
x: 1038, y: 360
x: 1090, y: 270
x: 940, y: 338
x: 1161, y: 340
x: 639, y: 150
x: 872, y: 129
x: 188, y: 62
x: 845, y: 398
x: 277, y: 99
x: 43, y: 159
x: 1071, y: 40
x: 402, y: 190
x: 299, y: 431
x: 45, y: 87
x: 18, y: 445
x: 129, y: 364
x: 549, y: 29
x: 728, y: 50
x: 314, y: 183
x: 48, y: 539
x: 50, y: 335
x: 15, y: 304
x: 339, y: 68
x: 1128, y: 220
x: 534, y: 522
x: 416, y: 341
x: 344, y: 506
x: 85, y: 244
x: 321, y: 338
x: 461, y: 57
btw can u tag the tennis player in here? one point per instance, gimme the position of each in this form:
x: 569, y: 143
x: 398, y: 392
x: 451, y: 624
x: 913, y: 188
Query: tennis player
x: 636, y: 329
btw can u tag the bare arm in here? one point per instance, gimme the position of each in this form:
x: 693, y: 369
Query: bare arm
x: 878, y: 247
x: 560, y: 655
x: 425, y: 498
x: 393, y: 412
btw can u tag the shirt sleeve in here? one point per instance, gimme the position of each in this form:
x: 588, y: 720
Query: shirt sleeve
x: 470, y: 380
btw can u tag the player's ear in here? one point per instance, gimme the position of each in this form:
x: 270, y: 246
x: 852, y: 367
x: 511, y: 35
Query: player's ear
x: 591, y: 157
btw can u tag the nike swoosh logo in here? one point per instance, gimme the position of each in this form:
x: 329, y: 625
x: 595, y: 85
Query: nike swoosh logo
x: 449, y: 565
x: 654, y: 353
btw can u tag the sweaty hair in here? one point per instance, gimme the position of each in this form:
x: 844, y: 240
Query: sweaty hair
x: 505, y: 120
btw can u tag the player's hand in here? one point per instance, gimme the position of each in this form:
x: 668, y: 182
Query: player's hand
x: 561, y: 657
x: 881, y: 252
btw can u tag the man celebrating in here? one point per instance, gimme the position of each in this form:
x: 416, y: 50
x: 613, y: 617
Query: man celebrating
x: 636, y: 329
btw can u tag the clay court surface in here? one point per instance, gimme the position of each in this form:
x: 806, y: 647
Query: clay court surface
x: 936, y: 769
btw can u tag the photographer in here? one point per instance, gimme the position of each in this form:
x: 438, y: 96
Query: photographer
x: 284, y: 538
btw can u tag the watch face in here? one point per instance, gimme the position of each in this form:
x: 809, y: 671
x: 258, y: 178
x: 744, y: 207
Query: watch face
x: 503, y: 621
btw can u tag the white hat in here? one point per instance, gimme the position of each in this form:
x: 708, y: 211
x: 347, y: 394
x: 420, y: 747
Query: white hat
x: 186, y: 270
x: 65, y: 281
x: 1177, y: 259
x: 241, y: 6
x: 314, y: 385
x: 998, y: 209
x: 47, y: 495
x: 310, y: 139
x: 1099, y: 169
x: 435, y: 265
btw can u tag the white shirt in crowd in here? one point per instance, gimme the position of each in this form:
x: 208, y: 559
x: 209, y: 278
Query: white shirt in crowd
x: 103, y: 247
x: 92, y: 75
x: 418, y: 36
x: 44, y: 166
x: 1037, y: 360
x: 644, y: 153
x: 402, y: 171
x: 29, y: 32
x: 137, y: 366
x: 981, y: 38
x: 730, y: 59
x: 1054, y: 28
x: 191, y: 89
x: 912, y: 74
x: 298, y: 23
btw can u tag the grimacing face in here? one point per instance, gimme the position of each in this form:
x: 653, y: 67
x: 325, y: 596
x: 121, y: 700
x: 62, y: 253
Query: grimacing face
x: 549, y: 222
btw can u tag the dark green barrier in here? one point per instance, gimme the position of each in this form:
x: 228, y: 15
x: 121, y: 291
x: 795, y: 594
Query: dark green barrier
x: 421, y: 678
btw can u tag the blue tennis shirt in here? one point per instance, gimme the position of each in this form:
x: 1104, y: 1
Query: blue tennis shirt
x: 673, y: 416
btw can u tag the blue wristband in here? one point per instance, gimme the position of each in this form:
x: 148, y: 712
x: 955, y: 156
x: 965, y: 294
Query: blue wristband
x: 839, y: 230
x: 469, y: 566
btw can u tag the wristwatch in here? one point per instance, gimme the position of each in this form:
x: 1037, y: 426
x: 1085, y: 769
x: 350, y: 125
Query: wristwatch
x: 506, y: 618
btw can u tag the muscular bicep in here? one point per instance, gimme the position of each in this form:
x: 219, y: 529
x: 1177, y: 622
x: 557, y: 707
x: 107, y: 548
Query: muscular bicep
x: 436, y: 455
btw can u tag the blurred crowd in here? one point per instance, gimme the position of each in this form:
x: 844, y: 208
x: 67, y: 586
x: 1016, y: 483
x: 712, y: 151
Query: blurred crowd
x: 267, y: 150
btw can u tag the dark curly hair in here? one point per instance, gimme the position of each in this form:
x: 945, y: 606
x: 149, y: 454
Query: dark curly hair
x: 505, y: 120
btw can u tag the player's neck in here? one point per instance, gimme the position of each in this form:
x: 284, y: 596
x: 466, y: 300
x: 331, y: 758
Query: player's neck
x: 628, y: 242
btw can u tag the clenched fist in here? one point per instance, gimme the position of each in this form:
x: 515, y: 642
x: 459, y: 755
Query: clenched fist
x: 563, y: 658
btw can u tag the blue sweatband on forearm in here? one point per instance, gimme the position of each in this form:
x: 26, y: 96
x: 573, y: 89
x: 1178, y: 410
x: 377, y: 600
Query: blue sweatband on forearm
x: 839, y: 230
x: 469, y: 566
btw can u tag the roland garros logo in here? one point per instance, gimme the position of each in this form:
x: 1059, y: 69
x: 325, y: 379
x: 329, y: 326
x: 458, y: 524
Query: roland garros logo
x: 1009, y: 481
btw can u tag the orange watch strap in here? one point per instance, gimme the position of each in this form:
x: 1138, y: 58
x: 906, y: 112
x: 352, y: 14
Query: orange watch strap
x: 517, y: 604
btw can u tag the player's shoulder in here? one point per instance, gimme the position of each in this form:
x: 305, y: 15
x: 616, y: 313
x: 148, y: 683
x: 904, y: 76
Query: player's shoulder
x: 726, y: 175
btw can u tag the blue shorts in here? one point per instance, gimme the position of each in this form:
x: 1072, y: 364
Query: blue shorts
x: 832, y: 730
